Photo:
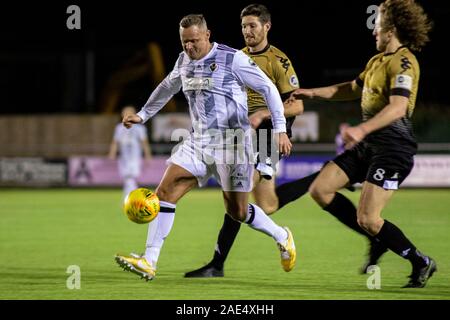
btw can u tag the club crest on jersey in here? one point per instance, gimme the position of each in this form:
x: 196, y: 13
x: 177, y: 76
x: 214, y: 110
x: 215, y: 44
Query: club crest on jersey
x: 213, y: 67
x: 252, y: 63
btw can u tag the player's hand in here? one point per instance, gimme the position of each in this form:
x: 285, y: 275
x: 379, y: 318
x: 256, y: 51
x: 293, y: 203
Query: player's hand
x: 301, y: 94
x: 130, y: 119
x: 290, y: 100
x: 353, y: 135
x: 284, y: 144
x: 257, y: 118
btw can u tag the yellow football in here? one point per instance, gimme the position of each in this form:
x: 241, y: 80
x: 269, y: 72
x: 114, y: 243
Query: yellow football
x: 141, y: 205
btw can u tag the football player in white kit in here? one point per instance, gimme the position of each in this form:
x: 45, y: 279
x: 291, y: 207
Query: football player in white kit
x: 213, y: 78
x: 129, y: 146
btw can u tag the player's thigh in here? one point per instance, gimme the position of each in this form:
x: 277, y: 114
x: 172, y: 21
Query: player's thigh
x: 236, y: 204
x: 256, y: 177
x: 175, y: 183
x: 372, y: 201
x: 265, y: 196
x: 330, y: 179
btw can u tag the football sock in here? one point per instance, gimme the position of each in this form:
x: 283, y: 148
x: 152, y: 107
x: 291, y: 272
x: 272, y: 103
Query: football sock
x: 293, y: 190
x: 158, y: 230
x: 393, y: 238
x: 227, y: 234
x: 345, y: 211
x: 258, y: 220
x: 129, y: 184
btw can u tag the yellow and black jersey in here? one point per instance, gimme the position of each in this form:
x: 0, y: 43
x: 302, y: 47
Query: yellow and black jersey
x: 386, y: 75
x: 277, y: 66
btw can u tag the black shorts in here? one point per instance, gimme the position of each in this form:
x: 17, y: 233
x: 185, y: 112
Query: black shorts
x: 265, y: 146
x: 384, y: 168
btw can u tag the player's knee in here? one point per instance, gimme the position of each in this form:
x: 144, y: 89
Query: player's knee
x: 318, y: 193
x: 237, y: 211
x: 164, y: 195
x: 369, y: 224
x: 238, y: 215
x: 268, y: 208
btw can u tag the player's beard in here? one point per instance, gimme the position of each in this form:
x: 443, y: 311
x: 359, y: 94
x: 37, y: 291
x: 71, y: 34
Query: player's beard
x: 382, y: 43
x: 254, y: 40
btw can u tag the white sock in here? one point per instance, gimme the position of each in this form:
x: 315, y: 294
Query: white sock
x: 258, y: 220
x: 129, y: 184
x: 158, y: 230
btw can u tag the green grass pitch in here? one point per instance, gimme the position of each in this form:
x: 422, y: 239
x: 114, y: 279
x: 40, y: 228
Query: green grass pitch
x: 42, y: 232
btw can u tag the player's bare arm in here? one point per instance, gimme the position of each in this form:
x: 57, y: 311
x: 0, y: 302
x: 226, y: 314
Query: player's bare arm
x: 395, y: 110
x: 147, y: 149
x: 339, y: 92
x: 113, y: 150
x: 292, y: 107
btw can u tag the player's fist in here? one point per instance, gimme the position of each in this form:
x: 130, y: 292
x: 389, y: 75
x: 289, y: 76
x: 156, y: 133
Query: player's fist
x: 130, y: 119
x: 353, y: 135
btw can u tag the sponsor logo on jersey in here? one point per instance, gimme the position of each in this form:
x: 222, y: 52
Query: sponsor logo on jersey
x: 198, y: 83
x: 284, y: 63
x: 406, y: 64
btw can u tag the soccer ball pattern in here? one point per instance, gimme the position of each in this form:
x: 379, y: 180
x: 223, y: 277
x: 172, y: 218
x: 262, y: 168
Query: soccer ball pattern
x: 141, y: 206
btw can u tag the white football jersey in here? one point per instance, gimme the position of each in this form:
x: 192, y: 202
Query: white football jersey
x: 214, y: 87
x: 130, y: 149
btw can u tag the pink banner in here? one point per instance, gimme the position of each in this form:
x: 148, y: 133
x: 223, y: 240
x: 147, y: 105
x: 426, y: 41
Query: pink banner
x: 101, y: 171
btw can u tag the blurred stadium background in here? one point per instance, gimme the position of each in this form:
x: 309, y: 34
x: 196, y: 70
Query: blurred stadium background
x: 61, y: 92
x: 62, y: 89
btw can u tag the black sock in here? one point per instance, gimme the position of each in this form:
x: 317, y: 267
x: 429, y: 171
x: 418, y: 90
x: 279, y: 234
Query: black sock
x: 345, y: 211
x: 395, y: 240
x: 227, y: 234
x: 293, y: 190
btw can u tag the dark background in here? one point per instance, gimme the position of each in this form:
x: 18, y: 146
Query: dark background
x: 43, y: 64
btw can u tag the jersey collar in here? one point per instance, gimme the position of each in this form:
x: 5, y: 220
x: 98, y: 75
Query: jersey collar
x: 398, y: 49
x: 260, y: 51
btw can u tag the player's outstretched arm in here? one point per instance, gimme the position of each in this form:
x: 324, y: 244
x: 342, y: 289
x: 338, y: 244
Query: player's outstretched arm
x: 292, y: 107
x: 159, y: 97
x: 338, y: 92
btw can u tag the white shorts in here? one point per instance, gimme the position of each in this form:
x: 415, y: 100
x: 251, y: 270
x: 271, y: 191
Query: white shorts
x: 204, y: 163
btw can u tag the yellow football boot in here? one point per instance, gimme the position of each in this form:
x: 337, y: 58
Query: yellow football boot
x: 136, y: 264
x: 287, y: 251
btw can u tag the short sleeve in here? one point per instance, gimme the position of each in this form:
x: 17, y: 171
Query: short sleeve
x: 286, y: 79
x: 402, y: 75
